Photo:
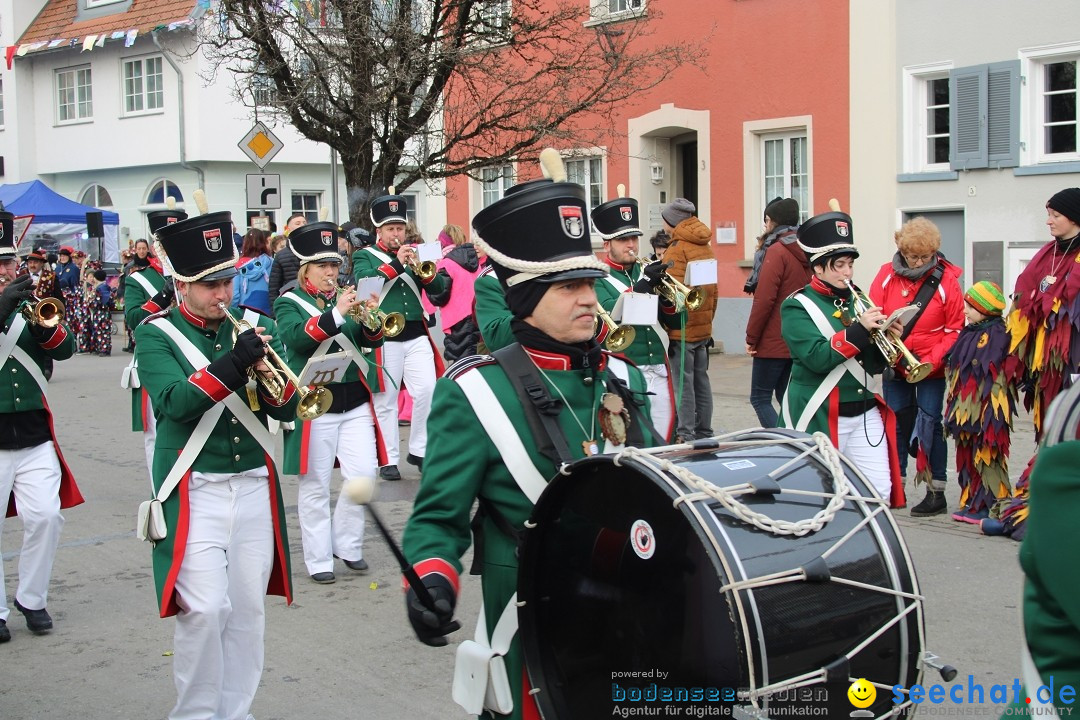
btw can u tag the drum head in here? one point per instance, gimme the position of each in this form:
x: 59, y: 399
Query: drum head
x: 623, y: 598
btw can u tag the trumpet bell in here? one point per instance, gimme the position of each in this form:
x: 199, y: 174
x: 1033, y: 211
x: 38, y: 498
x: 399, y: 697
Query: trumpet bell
x: 314, y: 402
x: 620, y: 339
x: 47, y: 312
x: 695, y: 298
x: 917, y: 372
x: 392, y: 324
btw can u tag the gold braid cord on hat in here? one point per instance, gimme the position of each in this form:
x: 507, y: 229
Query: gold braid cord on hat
x: 532, y: 269
x: 159, y: 250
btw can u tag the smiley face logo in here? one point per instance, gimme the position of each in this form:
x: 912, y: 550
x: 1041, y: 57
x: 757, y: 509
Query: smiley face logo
x: 861, y: 694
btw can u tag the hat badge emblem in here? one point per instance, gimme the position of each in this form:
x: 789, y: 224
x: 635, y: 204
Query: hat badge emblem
x: 212, y: 239
x: 842, y: 229
x: 327, y: 238
x: 626, y: 213
x: 1, y: 231
x: 393, y: 205
x: 572, y: 224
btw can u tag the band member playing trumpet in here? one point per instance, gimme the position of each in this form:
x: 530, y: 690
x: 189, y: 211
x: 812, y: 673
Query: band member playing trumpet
x: 920, y: 275
x: 834, y: 356
x: 146, y: 292
x: 35, y: 482
x: 314, y: 319
x: 226, y: 545
x: 478, y: 412
x: 410, y: 356
x: 617, y: 222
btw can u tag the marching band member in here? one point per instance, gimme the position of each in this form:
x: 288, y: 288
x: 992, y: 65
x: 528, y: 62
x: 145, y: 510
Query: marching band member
x: 833, y: 358
x: 538, y: 240
x: 145, y: 293
x: 412, y: 355
x: 35, y: 482
x: 617, y: 222
x: 314, y: 319
x: 226, y: 545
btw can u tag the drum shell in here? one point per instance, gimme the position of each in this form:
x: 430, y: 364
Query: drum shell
x: 596, y: 611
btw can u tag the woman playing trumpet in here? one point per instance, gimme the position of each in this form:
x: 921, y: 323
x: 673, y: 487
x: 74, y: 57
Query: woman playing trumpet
x: 315, y: 319
x: 834, y: 357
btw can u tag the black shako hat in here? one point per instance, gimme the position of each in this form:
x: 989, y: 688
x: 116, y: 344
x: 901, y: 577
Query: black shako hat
x: 315, y: 242
x: 617, y: 218
x: 199, y: 248
x: 7, y: 234
x: 827, y: 235
x: 157, y: 219
x: 538, y: 231
x: 389, y: 208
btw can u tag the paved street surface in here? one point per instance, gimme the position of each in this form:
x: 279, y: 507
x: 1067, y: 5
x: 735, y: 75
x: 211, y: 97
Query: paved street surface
x: 346, y: 650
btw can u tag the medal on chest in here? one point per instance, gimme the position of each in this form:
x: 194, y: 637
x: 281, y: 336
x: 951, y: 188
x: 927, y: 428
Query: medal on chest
x: 614, y: 418
x: 843, y: 313
x: 1047, y: 282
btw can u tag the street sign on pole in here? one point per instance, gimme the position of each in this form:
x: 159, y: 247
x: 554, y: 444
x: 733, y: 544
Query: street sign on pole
x: 264, y: 192
x: 260, y: 145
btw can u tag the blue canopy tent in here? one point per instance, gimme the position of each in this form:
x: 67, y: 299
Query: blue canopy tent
x: 58, y: 221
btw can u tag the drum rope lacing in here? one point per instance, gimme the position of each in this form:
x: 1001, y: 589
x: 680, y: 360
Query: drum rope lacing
x: 728, y: 496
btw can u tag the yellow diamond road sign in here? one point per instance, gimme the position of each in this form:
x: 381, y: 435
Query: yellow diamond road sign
x: 260, y: 145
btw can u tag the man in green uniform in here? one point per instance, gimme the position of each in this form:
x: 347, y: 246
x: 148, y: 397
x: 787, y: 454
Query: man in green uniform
x: 410, y: 356
x: 617, y: 222
x: 146, y: 292
x: 491, y: 442
x: 834, y: 358
x: 35, y: 482
x: 214, y: 472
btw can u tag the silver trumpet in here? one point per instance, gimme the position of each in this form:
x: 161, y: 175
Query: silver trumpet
x: 895, y: 352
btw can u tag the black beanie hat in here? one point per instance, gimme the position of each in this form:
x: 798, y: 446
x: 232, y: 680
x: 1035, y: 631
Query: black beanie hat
x: 783, y: 211
x: 1066, y: 202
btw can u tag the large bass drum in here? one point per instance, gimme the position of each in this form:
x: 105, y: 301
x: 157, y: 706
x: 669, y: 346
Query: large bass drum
x: 759, y: 570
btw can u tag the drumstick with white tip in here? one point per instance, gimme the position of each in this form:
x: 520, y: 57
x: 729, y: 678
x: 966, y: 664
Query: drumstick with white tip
x: 361, y: 490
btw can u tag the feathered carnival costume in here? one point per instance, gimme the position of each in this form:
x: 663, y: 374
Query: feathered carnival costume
x: 981, y: 397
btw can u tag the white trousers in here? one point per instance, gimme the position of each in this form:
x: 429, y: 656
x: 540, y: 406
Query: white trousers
x: 856, y: 435
x: 221, y: 590
x: 33, y: 474
x: 413, y: 361
x: 656, y: 379
x: 350, y: 438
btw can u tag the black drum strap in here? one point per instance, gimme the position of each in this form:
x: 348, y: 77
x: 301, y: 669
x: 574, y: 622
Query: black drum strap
x: 541, y: 409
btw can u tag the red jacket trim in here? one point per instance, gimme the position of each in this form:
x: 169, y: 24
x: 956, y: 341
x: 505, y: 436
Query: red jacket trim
x: 209, y: 384
x: 290, y: 390
x: 316, y: 333
x: 841, y: 345
x: 151, y: 307
x: 435, y: 566
x: 55, y: 340
x: 169, y: 606
x: 191, y: 318
x: 388, y: 270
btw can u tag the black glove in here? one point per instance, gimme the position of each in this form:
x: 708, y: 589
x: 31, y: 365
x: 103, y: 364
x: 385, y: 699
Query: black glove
x: 40, y: 333
x: 431, y: 628
x: 248, y: 350
x: 652, y: 275
x: 17, y: 292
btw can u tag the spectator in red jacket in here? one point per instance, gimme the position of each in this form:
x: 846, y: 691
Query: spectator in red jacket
x: 783, y: 270
x: 918, y: 406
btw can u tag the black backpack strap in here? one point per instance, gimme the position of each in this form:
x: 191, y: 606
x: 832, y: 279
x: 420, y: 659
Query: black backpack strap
x: 922, y: 298
x: 541, y: 409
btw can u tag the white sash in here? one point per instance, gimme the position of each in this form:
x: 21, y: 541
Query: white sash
x: 237, y: 406
x: 480, y: 679
x: 341, y: 339
x: 9, y: 348
x: 621, y: 370
x: 849, y: 365
x: 146, y: 284
x: 404, y: 277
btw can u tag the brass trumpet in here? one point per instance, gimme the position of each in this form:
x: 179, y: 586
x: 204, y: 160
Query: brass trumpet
x: 313, y: 401
x: 424, y: 270
x: 47, y: 312
x: 675, y: 292
x: 620, y: 337
x: 895, y: 352
x: 391, y: 324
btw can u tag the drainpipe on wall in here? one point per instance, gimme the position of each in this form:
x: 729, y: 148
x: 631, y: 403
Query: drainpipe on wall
x: 180, y: 111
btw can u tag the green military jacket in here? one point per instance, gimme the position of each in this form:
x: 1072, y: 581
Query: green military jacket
x: 303, y: 333
x: 463, y: 464
x: 137, y: 307
x: 377, y: 261
x: 493, y: 315
x: 648, y: 347
x: 20, y: 391
x: 181, y: 393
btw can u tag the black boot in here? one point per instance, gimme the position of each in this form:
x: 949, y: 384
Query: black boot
x: 932, y: 504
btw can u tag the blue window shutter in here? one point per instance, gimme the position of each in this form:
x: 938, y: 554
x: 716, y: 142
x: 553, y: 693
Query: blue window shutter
x: 1003, y: 113
x: 967, y: 113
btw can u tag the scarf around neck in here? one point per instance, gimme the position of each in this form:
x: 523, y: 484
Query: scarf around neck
x: 900, y: 267
x: 586, y: 355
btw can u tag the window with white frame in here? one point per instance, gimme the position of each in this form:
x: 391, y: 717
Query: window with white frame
x: 785, y: 168
x: 494, y: 15
x: 162, y: 189
x: 494, y: 182
x: 927, y: 119
x: 306, y: 204
x: 143, y: 85
x: 74, y: 95
x: 1051, y: 104
x: 589, y: 173
x: 602, y: 10
x: 96, y: 196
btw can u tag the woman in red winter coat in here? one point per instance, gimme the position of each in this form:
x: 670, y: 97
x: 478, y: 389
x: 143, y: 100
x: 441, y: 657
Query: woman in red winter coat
x: 918, y: 406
